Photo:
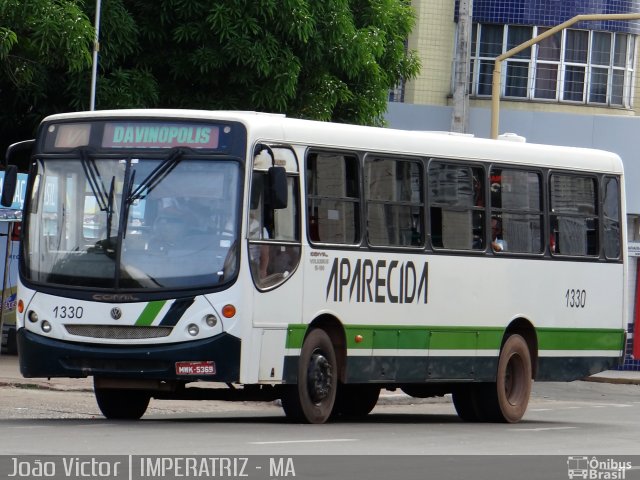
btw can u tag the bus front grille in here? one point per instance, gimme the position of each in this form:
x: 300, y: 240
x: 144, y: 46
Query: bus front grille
x: 118, y: 332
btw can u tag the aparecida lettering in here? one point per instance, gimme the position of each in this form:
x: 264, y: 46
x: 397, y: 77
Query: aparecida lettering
x: 381, y: 281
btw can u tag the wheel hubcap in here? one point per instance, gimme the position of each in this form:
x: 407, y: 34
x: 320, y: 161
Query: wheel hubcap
x: 319, y: 377
x: 512, y: 384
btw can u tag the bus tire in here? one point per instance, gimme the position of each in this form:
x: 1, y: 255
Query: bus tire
x: 313, y: 398
x: 122, y: 404
x: 465, y: 401
x: 506, y: 400
x: 355, y: 400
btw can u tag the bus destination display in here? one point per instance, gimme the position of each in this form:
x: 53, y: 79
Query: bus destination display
x: 155, y: 135
x: 134, y: 135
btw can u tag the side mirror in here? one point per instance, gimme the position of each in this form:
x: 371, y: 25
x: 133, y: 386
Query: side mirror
x: 9, y: 185
x: 11, y: 171
x: 277, y: 185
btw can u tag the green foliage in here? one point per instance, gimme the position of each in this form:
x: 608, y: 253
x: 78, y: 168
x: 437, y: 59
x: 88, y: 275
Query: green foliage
x: 42, y: 43
x: 319, y: 59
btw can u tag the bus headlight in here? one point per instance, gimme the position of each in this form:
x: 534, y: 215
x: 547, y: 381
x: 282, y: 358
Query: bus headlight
x: 193, y: 329
x: 211, y: 320
x: 46, y: 326
x: 32, y: 316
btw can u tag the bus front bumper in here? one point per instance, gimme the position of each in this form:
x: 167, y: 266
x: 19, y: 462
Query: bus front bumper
x: 42, y: 357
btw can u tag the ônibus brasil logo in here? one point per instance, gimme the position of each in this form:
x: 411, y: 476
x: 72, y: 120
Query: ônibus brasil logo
x: 597, y: 469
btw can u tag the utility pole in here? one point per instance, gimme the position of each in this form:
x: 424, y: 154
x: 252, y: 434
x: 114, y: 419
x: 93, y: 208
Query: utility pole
x: 94, y: 66
x: 460, y: 115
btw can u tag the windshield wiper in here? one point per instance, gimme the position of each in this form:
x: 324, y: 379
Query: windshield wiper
x: 95, y: 181
x: 158, y: 174
x: 103, y: 198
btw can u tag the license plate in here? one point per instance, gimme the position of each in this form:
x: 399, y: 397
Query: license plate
x: 196, y: 368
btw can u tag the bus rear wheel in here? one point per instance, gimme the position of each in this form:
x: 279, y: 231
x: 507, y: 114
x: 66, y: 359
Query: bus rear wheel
x: 507, y: 399
x: 465, y: 401
x: 313, y: 398
x: 122, y: 404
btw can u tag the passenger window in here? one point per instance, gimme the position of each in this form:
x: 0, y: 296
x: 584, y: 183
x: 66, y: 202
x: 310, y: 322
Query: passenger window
x: 333, y: 198
x: 394, y: 202
x: 611, y: 218
x: 457, y: 206
x: 574, y: 215
x: 516, y: 211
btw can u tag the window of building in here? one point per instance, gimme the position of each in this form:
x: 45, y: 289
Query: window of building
x: 516, y: 211
x: 547, y: 67
x: 457, y: 206
x: 333, y: 198
x: 574, y: 215
x: 574, y: 66
x: 395, y: 209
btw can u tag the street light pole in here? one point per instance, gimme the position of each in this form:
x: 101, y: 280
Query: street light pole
x: 96, y: 48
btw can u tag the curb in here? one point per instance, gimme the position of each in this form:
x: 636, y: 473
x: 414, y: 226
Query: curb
x: 615, y: 381
x: 26, y: 385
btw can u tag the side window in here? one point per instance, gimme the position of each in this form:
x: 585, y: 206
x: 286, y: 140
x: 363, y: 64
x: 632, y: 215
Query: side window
x: 274, y: 234
x: 516, y: 211
x: 395, y: 209
x: 333, y: 198
x: 574, y: 215
x: 611, y: 218
x: 457, y: 206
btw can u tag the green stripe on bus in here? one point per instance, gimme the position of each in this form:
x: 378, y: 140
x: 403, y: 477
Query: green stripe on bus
x: 423, y: 338
x: 150, y: 313
x: 580, y: 339
x: 295, y: 335
x: 387, y: 337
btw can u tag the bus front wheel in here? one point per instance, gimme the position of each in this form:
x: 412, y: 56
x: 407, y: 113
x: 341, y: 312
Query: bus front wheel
x: 122, y: 404
x: 313, y: 398
x: 355, y: 400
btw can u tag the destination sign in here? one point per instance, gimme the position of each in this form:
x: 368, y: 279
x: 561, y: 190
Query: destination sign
x: 159, y: 135
x: 132, y: 133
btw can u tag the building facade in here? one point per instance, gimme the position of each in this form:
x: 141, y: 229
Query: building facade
x: 578, y: 87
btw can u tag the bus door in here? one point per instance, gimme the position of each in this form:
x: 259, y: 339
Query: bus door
x: 273, y: 231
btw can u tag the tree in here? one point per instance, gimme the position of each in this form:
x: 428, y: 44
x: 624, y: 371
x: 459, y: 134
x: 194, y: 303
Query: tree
x: 320, y: 59
x: 42, y: 42
x: 122, y: 82
x: 45, y: 62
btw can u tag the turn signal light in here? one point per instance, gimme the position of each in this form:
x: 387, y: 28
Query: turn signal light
x: 228, y: 311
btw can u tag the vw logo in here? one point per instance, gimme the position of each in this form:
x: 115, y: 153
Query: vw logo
x: 116, y: 313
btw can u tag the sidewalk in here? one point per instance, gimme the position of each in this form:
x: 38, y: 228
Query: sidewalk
x: 10, y: 376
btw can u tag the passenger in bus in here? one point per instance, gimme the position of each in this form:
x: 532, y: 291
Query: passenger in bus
x: 497, y: 242
x: 259, y: 254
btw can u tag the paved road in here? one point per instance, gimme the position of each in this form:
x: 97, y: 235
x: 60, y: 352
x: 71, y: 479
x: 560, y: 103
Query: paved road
x: 580, y: 418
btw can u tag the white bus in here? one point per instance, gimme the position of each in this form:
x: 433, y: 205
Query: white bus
x: 314, y: 263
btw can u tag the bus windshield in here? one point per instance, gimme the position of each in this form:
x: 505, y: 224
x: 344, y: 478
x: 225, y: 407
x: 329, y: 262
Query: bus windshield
x: 133, y: 223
